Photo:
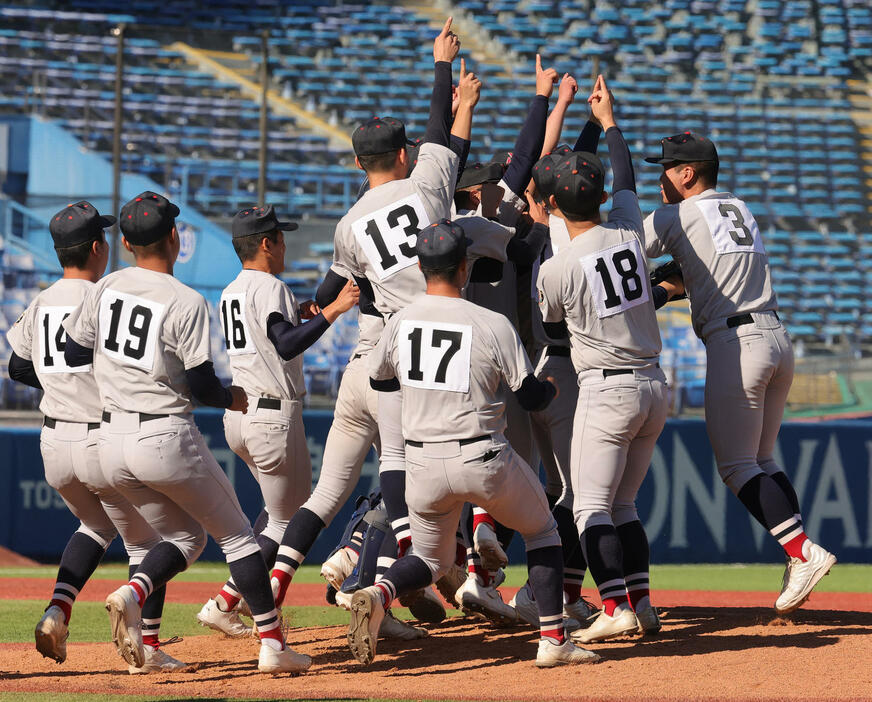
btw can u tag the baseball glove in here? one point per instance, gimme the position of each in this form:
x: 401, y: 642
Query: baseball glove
x: 667, y: 270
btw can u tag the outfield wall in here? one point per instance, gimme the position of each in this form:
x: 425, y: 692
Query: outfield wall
x: 690, y: 515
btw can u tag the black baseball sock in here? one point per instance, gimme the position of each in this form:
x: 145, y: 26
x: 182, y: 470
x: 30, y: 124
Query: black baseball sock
x: 545, y: 575
x: 765, y: 499
x: 605, y: 560
x: 80, y: 559
x: 152, y: 611
x: 393, y: 489
x: 160, y: 565
x: 574, y: 565
x: 634, y: 543
x: 787, y: 488
x: 406, y: 575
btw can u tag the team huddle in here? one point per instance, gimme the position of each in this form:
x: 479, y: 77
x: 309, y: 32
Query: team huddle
x: 504, y: 321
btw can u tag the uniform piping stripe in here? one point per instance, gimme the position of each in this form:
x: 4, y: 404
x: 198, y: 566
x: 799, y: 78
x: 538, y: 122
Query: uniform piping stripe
x: 70, y: 590
x: 790, y: 535
x: 61, y: 597
x: 611, y: 584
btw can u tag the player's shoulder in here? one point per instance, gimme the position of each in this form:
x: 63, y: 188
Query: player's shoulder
x: 184, y: 295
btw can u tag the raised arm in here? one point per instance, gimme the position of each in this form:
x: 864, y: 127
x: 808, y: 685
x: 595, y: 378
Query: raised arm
x: 602, y: 107
x: 554, y: 126
x: 528, y: 145
x: 445, y: 48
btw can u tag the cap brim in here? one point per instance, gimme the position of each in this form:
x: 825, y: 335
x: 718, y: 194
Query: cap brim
x: 410, y: 142
x: 287, y: 226
x: 107, y: 221
x: 659, y: 161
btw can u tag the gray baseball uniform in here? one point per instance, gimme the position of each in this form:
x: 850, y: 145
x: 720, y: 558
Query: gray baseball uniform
x: 146, y: 329
x: 749, y: 369
x: 599, y: 286
x: 71, y: 405
x: 270, y: 437
x: 450, y: 357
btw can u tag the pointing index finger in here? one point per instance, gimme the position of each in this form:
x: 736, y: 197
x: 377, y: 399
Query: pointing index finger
x: 538, y: 63
x: 447, y: 27
x: 462, y: 68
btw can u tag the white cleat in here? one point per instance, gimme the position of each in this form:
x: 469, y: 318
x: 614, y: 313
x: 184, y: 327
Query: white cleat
x: 156, y: 661
x: 424, y: 605
x: 649, y: 620
x: 367, y: 613
x: 605, y: 627
x: 51, y: 634
x: 285, y: 661
x: 393, y: 628
x: 227, y: 623
x: 526, y: 606
x: 336, y: 568
x: 551, y: 654
x: 343, y: 599
x: 803, y: 576
x: 581, y: 611
x: 125, y: 617
x: 484, y: 540
x: 487, y: 601
x: 450, y: 583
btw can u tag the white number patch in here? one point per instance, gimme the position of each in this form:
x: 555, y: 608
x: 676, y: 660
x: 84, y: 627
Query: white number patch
x: 732, y: 225
x: 236, y: 334
x: 53, y: 340
x: 617, y: 278
x: 129, y: 327
x: 435, y: 355
x: 388, y: 236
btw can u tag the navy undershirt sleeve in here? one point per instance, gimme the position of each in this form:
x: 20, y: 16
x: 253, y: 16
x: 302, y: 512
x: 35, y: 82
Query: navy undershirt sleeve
x: 290, y: 340
x: 461, y: 148
x: 206, y: 387
x: 622, y: 164
x: 76, y: 355
x: 528, y: 146
x: 526, y: 251
x: 329, y: 289
x: 589, y: 138
x: 659, y: 296
x: 534, y: 395
x: 439, y: 123
x: 22, y: 371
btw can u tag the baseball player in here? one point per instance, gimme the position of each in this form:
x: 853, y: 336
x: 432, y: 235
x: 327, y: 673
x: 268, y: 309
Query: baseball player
x: 448, y: 357
x: 355, y: 427
x: 598, y: 285
x: 375, y: 239
x: 265, y: 340
x: 147, y: 336
x: 68, y: 443
x: 749, y: 358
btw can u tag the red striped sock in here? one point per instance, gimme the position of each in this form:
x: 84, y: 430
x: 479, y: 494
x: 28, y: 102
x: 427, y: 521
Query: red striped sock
x: 284, y: 580
x: 65, y: 607
x: 151, y: 640
x: 611, y: 603
x: 138, y: 592
x: 230, y: 600
x: 479, y: 516
x: 483, y: 574
x: 794, y: 546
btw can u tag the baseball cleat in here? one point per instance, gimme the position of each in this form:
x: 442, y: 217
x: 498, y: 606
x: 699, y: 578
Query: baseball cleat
x: 487, y: 601
x: 424, y: 605
x: 156, y: 661
x: 227, y: 623
x: 125, y: 617
x: 551, y: 654
x: 367, y: 613
x: 803, y: 576
x: 450, y: 583
x: 343, y: 599
x: 605, y: 627
x: 484, y: 540
x: 51, y: 634
x: 526, y: 606
x: 393, y: 628
x: 285, y: 661
x: 338, y: 567
x: 244, y: 610
x: 649, y: 620
x: 581, y: 610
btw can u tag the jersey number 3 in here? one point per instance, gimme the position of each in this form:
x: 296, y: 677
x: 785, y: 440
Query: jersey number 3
x: 236, y: 334
x: 435, y: 355
x: 129, y: 327
x: 616, y: 277
x: 732, y: 225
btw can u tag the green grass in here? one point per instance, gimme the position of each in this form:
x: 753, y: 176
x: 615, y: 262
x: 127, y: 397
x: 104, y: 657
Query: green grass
x: 199, y: 572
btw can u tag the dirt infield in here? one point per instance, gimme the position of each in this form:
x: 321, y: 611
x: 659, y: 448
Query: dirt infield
x: 306, y: 594
x: 703, y: 653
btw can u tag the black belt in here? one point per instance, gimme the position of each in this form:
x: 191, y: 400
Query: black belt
x: 462, y: 442
x: 356, y: 356
x: 609, y: 372
x: 740, y: 319
x: 557, y: 351
x: 143, y: 417
x: 51, y: 423
x: 269, y: 403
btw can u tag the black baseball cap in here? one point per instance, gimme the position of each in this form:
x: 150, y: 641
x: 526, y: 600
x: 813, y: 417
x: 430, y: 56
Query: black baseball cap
x: 147, y: 218
x: 579, y: 179
x: 258, y: 220
x: 442, y: 244
x: 414, y: 148
x: 379, y: 136
x: 503, y: 157
x: 686, y: 147
x: 479, y: 173
x: 78, y: 223
x: 543, y: 170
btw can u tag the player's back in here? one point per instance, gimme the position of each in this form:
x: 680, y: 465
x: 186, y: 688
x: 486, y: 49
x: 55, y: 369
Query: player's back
x: 148, y: 329
x: 601, y: 281
x: 256, y: 365
x: 716, y: 241
x: 376, y: 238
x: 70, y: 393
x: 450, y: 356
